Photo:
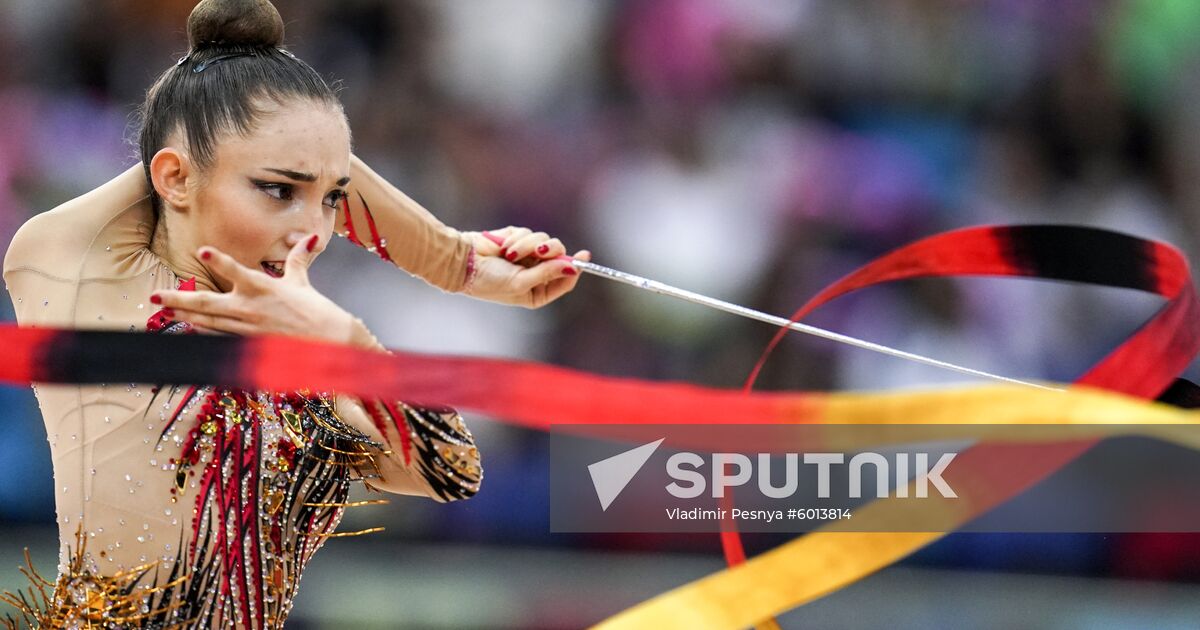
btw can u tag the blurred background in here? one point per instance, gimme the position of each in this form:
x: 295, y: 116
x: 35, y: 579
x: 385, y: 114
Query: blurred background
x: 753, y: 150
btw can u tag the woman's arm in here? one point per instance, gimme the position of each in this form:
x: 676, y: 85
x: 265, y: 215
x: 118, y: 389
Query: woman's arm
x: 380, y: 218
x: 377, y: 216
x: 525, y: 269
x: 50, y: 252
x: 53, y: 238
x: 429, y: 452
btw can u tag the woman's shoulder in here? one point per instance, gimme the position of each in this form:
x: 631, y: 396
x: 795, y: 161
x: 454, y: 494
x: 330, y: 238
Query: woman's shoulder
x: 54, y: 242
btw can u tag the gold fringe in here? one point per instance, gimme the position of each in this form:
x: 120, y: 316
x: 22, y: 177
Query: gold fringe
x: 341, y: 452
x: 352, y: 504
x: 331, y: 462
x: 347, y: 534
x: 105, y: 599
x: 321, y: 422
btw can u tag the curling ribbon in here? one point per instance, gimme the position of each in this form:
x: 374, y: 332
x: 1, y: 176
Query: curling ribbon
x: 534, y: 395
x: 1145, y: 365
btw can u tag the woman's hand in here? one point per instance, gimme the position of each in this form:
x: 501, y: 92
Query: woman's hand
x: 259, y: 304
x: 524, y: 269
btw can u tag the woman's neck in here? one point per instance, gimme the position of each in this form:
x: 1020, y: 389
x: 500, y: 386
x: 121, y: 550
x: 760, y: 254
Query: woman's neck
x: 179, y: 255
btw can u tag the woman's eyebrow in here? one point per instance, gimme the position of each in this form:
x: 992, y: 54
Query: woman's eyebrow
x: 296, y: 175
x: 304, y: 177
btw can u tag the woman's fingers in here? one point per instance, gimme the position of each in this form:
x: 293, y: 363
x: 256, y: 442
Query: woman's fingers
x: 549, y: 271
x: 549, y: 280
x: 231, y: 271
x: 218, y: 323
x: 491, y: 242
x: 534, y: 247
x: 499, y: 235
x: 511, y: 236
x: 207, y: 331
x: 208, y: 302
x: 562, y: 286
x: 523, y: 246
x: 552, y: 248
x: 192, y: 300
x: 518, y: 244
x: 554, y: 290
x: 299, y: 259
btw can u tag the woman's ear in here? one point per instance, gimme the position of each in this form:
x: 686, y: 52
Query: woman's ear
x: 169, y: 172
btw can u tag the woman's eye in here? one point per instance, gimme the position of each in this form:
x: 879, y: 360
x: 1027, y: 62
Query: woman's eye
x: 282, y: 192
x: 335, y: 199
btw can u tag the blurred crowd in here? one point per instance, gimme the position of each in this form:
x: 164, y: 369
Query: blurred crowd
x: 752, y: 150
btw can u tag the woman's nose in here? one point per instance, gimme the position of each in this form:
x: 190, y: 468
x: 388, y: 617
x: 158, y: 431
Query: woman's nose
x: 314, y: 218
x: 304, y: 229
x: 311, y: 221
x: 295, y: 237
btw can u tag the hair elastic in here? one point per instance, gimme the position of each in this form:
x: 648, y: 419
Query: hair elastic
x: 208, y: 63
x: 204, y: 65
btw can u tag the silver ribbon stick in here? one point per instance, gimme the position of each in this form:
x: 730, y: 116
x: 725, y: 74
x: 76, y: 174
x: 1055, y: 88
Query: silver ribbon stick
x: 664, y: 289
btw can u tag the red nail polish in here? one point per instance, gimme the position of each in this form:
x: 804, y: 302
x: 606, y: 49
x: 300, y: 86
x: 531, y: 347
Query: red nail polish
x: 511, y: 256
x: 569, y: 271
x: 205, y: 255
x: 154, y: 299
x: 168, y: 312
x: 542, y: 249
x: 312, y: 242
x: 503, y: 252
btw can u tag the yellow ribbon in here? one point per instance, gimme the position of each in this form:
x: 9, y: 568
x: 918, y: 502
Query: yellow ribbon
x: 822, y: 562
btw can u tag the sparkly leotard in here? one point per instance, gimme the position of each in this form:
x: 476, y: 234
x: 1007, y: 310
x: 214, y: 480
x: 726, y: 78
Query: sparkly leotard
x: 184, y: 506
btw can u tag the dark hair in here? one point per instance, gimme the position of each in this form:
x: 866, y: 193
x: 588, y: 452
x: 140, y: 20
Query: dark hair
x: 234, y: 62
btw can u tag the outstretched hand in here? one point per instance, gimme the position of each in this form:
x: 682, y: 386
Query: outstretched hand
x: 525, y: 268
x: 260, y: 304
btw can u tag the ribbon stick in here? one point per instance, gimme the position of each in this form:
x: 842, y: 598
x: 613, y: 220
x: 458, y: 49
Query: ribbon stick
x: 661, y: 288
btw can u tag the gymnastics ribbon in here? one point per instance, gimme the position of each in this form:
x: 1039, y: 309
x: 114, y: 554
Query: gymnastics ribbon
x: 1146, y: 366
x: 534, y: 395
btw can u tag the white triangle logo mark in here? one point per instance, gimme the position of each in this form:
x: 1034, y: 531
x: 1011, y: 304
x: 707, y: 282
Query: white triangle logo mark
x: 610, y: 476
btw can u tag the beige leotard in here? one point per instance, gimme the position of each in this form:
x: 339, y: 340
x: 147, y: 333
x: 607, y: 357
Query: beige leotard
x: 183, y: 506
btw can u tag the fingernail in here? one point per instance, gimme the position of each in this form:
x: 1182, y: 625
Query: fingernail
x: 511, y: 256
x: 155, y: 299
x: 542, y: 249
x: 312, y: 242
x: 168, y: 312
x: 569, y: 271
x: 205, y: 255
x: 504, y: 252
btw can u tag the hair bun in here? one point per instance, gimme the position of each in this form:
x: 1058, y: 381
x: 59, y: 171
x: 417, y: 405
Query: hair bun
x: 234, y: 23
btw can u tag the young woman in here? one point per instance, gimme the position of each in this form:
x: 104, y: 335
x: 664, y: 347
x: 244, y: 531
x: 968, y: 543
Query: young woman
x: 200, y: 506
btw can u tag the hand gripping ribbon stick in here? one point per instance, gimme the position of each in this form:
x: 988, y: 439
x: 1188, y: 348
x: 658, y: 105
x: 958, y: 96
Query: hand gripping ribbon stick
x: 665, y: 289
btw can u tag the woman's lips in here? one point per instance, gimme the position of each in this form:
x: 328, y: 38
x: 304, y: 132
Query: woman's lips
x: 273, y: 269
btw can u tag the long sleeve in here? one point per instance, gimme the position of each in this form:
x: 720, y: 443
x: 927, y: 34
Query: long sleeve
x: 381, y: 219
x: 429, y: 452
x: 55, y: 254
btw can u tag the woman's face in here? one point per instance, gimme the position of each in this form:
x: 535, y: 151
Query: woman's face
x: 270, y: 189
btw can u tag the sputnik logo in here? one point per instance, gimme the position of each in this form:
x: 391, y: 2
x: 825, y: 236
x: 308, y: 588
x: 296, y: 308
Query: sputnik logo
x: 610, y: 476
